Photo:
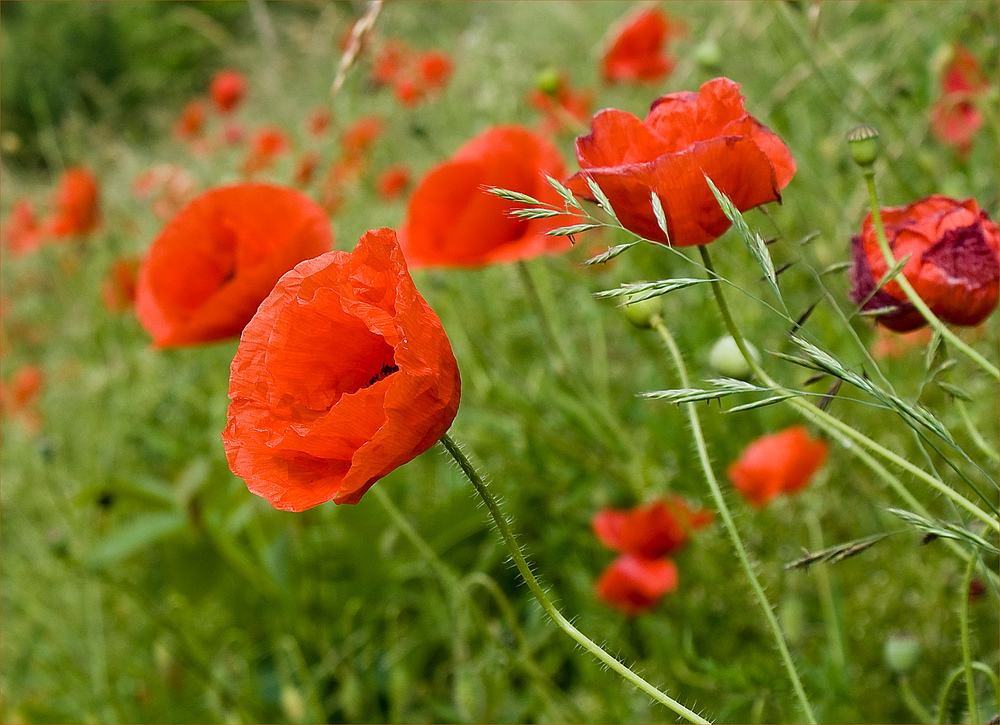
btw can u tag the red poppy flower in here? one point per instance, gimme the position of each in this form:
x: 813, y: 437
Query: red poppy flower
x: 408, y: 92
x: 191, y: 122
x: 453, y: 222
x: 305, y: 167
x: 685, y: 137
x: 434, y: 68
x: 360, y: 136
x: 636, y: 52
x: 267, y: 145
x: 649, y: 531
x: 213, y: 263
x: 118, y: 288
x: 20, y: 395
x: 227, y: 90
x: 634, y: 584
x: 392, y: 58
x: 77, y: 204
x: 343, y: 375
x: 953, y: 265
x: 563, y: 107
x: 233, y: 133
x: 22, y: 232
x: 954, y: 116
x: 393, y: 181
x: 777, y: 463
x: 319, y: 121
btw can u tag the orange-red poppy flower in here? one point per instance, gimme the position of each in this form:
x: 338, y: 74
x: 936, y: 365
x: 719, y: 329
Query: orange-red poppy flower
x: 118, y: 288
x: 634, y: 584
x: 305, y: 167
x: 76, y: 204
x: 434, y: 68
x: 191, y: 123
x: 953, y: 265
x: 227, y: 90
x: 22, y: 232
x: 408, y: 92
x: 393, y: 181
x: 652, y: 530
x: 19, y: 396
x: 213, y: 263
x: 778, y: 463
x: 267, y: 145
x: 360, y: 136
x: 343, y: 375
x: 390, y: 61
x: 452, y: 221
x: 954, y: 116
x: 637, y: 52
x: 685, y: 137
x: 319, y: 121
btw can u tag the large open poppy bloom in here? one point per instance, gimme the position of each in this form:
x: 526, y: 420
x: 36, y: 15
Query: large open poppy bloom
x: 452, y: 221
x: 634, y: 584
x: 778, y: 463
x: 685, y: 137
x: 208, y: 270
x: 76, y: 204
x: 636, y: 52
x: 953, y: 265
x: 343, y: 375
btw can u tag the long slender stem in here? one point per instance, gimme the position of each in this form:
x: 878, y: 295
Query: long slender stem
x: 833, y: 633
x: 828, y: 422
x: 911, y: 701
x: 911, y: 293
x: 963, y: 615
x: 543, y: 599
x: 727, y: 519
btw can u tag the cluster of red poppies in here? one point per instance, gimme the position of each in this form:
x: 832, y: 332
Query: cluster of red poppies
x: 955, y: 117
x: 74, y: 212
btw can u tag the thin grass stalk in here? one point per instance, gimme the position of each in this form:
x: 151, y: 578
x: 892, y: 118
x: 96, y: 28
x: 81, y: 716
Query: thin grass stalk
x: 730, y: 525
x: 963, y: 618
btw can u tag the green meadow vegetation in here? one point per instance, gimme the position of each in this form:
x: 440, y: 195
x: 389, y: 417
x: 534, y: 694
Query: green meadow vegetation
x: 142, y: 582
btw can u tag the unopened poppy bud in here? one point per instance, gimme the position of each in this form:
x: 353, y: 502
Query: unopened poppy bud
x: 901, y: 652
x: 708, y: 55
x: 726, y: 358
x: 863, y: 141
x: 548, y: 82
x: 641, y: 313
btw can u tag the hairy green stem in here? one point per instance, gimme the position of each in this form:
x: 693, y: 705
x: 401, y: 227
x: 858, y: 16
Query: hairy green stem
x: 911, y: 293
x: 963, y: 618
x: 911, y: 701
x: 543, y: 599
x: 828, y: 422
x: 720, y: 503
x: 833, y: 633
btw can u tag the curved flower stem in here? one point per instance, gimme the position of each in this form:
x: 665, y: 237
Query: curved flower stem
x: 543, y: 599
x: 911, y: 701
x: 911, y: 293
x: 963, y: 614
x: 720, y: 503
x: 829, y: 423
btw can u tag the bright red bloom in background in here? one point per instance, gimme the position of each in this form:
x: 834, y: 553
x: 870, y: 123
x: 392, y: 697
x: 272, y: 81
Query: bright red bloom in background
x: 562, y: 106
x: 267, y: 145
x: 319, y: 121
x: 778, y: 463
x: 954, y: 116
x: 652, y: 530
x: 434, y: 68
x: 360, y: 136
x: 227, y: 90
x: 191, y: 123
x: 343, y: 375
x: 393, y: 181
x: 637, y: 52
x: 634, y: 584
x: 76, y: 204
x: 685, y: 137
x: 953, y: 266
x: 118, y: 288
x: 19, y: 396
x: 208, y: 270
x: 22, y: 232
x: 452, y: 221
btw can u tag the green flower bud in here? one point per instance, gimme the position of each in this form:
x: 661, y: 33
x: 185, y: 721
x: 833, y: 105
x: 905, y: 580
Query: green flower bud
x: 726, y: 358
x: 708, y: 55
x: 901, y: 652
x: 863, y: 141
x: 548, y: 81
x: 641, y: 313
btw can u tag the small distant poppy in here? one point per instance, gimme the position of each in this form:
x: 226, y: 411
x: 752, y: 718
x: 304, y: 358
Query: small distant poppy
x: 954, y: 117
x: 266, y: 146
x: 452, y: 221
x: 318, y: 121
x: 305, y: 167
x: 227, y: 90
x: 953, y: 266
x: 393, y: 181
x: 118, y: 288
x: 22, y: 232
x: 685, y: 137
x: 342, y: 375
x: 390, y: 61
x: 434, y: 68
x: 634, y: 584
x: 651, y: 530
x: 778, y: 463
x: 360, y: 136
x: 76, y: 204
x: 19, y: 396
x: 637, y: 52
x: 212, y: 264
x: 191, y: 123
x: 408, y: 92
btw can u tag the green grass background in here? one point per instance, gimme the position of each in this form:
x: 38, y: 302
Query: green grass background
x: 183, y: 598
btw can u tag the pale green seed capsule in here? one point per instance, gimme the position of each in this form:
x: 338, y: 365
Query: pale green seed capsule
x: 641, y: 313
x: 901, y: 652
x: 726, y: 358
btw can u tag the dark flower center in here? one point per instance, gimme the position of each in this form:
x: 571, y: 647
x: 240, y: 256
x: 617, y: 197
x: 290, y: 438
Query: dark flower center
x: 385, y: 372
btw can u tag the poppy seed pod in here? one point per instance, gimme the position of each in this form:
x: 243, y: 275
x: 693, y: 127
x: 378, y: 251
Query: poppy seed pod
x: 953, y: 265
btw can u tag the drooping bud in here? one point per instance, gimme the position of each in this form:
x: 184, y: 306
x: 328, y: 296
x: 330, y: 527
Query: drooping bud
x: 726, y: 358
x: 642, y: 312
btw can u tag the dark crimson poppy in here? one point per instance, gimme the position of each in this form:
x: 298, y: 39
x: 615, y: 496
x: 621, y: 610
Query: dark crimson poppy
x: 118, y: 288
x: 267, y: 145
x: 652, y: 530
x: 227, y: 90
x: 778, y: 463
x: 634, y: 584
x: 452, y: 221
x: 953, y: 265
x: 393, y: 181
x: 637, y: 51
x: 343, y: 375
x: 76, y: 204
x: 213, y: 263
x: 191, y: 123
x: 22, y: 232
x: 685, y: 137
x: 954, y: 116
